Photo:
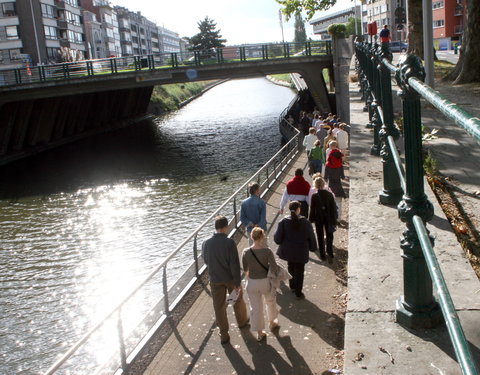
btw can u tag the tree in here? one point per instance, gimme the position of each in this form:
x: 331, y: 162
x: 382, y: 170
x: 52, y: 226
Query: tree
x: 351, y: 24
x: 207, y: 39
x: 300, y: 33
x: 466, y: 69
x: 291, y: 7
x: 415, y: 28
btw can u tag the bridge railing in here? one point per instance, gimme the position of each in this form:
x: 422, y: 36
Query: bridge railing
x: 130, y: 324
x: 417, y: 308
x: 119, y: 65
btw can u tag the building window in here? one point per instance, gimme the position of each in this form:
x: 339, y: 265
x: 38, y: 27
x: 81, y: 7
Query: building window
x: 8, y: 10
x: 11, y: 32
x: 50, y: 32
x: 53, y: 54
x: 437, y: 4
x: 48, y: 11
x: 72, y: 18
x: 133, y: 28
x: 73, y: 3
x: 75, y: 37
x: 438, y: 23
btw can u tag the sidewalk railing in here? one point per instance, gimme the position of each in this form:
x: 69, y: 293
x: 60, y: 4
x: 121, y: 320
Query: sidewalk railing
x: 186, y: 59
x: 136, y: 317
x: 417, y: 308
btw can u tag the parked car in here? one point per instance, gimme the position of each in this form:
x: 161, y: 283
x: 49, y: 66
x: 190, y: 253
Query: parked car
x: 398, y: 46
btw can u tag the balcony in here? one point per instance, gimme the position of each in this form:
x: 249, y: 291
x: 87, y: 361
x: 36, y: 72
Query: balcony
x: 62, y: 24
x: 60, y: 4
x: 458, y: 10
x: 64, y: 43
x: 458, y: 29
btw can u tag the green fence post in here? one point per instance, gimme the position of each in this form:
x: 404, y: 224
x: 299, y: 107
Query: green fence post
x: 417, y: 308
x: 376, y: 122
x: 392, y: 191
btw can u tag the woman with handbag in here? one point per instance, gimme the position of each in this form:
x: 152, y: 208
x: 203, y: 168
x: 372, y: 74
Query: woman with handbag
x: 256, y: 261
x: 295, y: 238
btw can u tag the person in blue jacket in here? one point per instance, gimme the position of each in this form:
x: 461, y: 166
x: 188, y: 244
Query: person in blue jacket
x: 253, y: 211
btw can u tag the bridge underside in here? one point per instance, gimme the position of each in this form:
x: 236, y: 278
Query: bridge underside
x: 37, y: 117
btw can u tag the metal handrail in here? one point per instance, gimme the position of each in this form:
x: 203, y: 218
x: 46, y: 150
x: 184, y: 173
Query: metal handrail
x: 412, y: 183
x: 177, y: 60
x: 290, y: 145
x: 452, y: 320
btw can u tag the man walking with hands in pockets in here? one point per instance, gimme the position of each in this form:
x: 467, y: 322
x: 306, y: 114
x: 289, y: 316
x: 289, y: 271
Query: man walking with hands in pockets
x: 221, y: 257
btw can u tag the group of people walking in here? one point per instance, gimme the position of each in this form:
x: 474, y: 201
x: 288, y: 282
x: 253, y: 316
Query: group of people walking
x: 319, y: 205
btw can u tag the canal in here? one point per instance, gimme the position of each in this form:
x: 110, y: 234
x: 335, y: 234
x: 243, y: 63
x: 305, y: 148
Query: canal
x: 82, y: 224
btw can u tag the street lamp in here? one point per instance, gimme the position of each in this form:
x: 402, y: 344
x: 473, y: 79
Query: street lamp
x: 281, y: 23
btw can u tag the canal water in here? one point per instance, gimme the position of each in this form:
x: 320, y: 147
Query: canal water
x: 82, y: 224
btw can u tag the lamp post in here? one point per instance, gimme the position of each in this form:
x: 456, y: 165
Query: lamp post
x: 281, y: 23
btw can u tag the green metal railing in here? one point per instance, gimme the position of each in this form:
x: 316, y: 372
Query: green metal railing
x: 417, y: 308
x: 118, y: 65
x: 153, y: 299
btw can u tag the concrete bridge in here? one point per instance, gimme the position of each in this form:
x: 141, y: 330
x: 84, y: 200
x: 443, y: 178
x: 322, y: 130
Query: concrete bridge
x: 46, y: 106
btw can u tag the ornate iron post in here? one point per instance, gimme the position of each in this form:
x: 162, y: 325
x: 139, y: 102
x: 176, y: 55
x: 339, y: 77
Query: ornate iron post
x: 392, y: 191
x: 417, y: 307
x: 376, y: 122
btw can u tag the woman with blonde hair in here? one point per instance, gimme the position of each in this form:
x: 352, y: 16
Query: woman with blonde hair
x: 256, y: 261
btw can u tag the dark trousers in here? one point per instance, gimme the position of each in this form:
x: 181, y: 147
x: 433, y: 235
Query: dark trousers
x: 297, y: 271
x: 304, y: 208
x: 319, y: 228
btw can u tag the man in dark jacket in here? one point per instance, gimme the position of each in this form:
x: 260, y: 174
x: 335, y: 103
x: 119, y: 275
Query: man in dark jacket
x: 221, y: 257
x: 296, y: 239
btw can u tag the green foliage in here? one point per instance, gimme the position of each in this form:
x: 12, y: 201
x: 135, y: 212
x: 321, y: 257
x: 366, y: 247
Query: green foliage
x: 300, y: 33
x: 430, y: 165
x: 338, y: 29
x: 169, y: 97
x: 208, y: 39
x: 292, y: 7
x: 351, y: 26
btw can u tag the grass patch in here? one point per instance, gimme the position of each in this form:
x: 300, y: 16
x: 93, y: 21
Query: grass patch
x: 282, y: 77
x: 168, y: 97
x: 442, y: 68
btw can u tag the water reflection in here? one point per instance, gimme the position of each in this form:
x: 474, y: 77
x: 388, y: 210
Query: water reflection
x: 82, y: 224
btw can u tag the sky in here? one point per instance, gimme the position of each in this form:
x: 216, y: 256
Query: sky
x: 240, y: 21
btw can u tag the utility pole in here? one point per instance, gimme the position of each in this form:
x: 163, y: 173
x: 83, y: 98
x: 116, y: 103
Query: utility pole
x: 428, y: 41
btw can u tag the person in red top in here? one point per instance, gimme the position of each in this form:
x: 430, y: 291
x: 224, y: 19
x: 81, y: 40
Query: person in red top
x: 297, y: 189
x: 334, y: 174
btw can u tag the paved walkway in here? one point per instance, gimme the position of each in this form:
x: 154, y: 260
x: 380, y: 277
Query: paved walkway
x: 308, y: 338
x: 375, y: 281
x: 375, y: 276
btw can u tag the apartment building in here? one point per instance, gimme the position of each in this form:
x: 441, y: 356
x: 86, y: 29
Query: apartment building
x: 391, y: 13
x: 43, y: 31
x: 110, y: 36
x: 320, y: 24
x: 448, y: 20
x: 169, y: 40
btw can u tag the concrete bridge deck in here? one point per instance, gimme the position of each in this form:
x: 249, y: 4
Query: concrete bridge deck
x: 309, y: 341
